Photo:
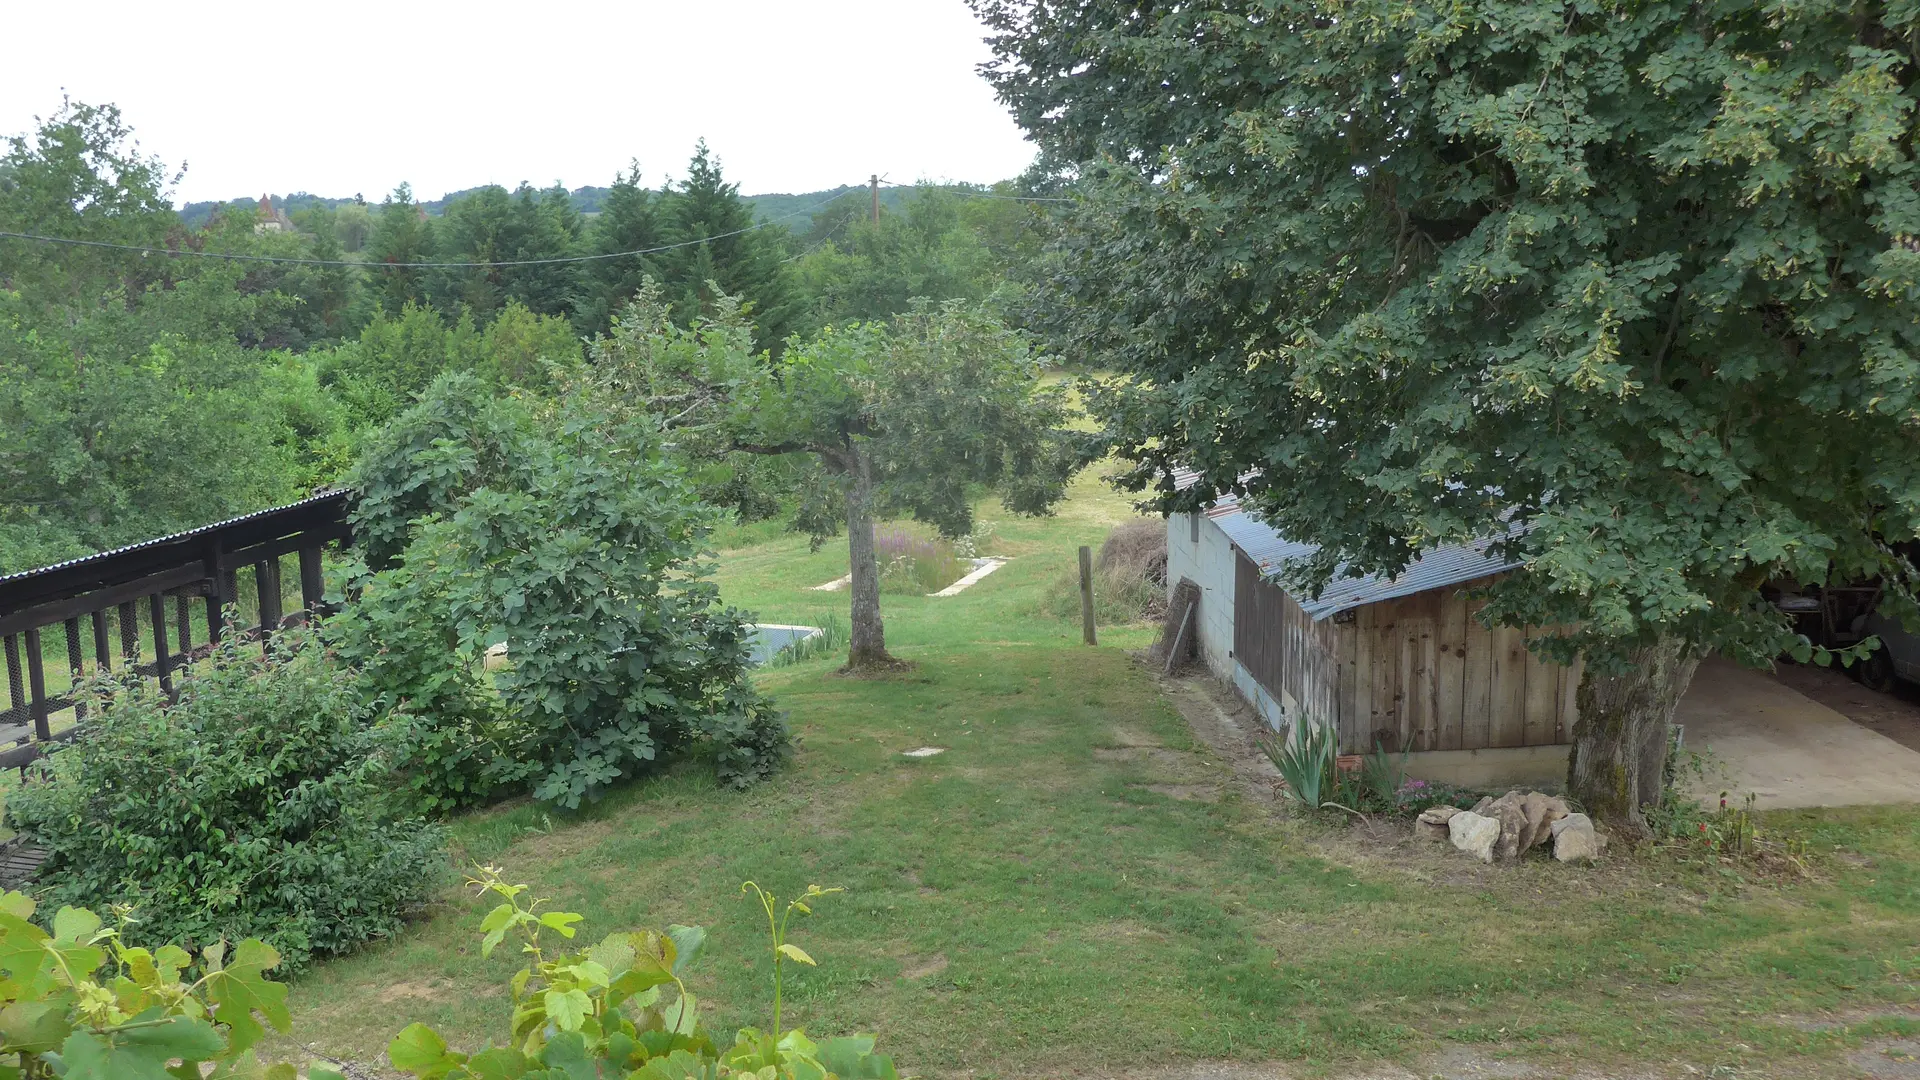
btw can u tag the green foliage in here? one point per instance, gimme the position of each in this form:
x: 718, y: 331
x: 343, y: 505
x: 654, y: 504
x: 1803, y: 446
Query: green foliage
x: 1638, y: 279
x: 577, y: 547
x: 630, y: 219
x: 132, y: 406
x: 397, y: 356
x: 914, y: 419
x: 454, y: 441
x: 490, y: 225
x: 944, y: 400
x: 621, y: 1009
x: 913, y: 565
x: 863, y: 270
x: 456, y: 745
x: 401, y: 235
x: 272, y: 819
x: 651, y: 369
x: 828, y: 642
x: 1307, y: 756
x: 740, y: 261
x: 1383, y: 777
x: 80, y: 1003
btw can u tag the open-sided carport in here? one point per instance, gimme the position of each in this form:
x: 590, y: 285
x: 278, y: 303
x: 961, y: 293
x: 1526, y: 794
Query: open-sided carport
x: 1786, y: 748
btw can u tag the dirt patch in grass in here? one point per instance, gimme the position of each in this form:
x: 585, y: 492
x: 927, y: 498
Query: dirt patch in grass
x: 915, y: 970
x: 1895, y: 1059
x: 1186, y: 792
x: 1150, y: 755
x: 891, y: 668
x: 434, y: 990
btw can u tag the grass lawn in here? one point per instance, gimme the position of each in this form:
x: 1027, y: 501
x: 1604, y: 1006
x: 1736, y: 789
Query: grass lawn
x: 1077, y: 887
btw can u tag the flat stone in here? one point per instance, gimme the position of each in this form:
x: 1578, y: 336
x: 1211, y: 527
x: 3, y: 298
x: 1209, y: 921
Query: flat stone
x: 1474, y: 834
x: 923, y: 751
x: 1432, y: 822
x: 1570, y: 821
x: 1574, y: 839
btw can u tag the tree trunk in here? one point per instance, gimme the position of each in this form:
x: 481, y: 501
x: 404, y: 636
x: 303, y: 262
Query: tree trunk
x: 868, y: 637
x: 1620, y: 741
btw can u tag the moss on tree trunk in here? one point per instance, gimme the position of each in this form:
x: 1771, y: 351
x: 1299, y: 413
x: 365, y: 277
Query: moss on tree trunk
x: 1620, y: 741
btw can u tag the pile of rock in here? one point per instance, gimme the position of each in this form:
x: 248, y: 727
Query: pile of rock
x: 1507, y: 827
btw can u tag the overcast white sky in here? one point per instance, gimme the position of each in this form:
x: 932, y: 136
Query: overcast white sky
x: 354, y: 96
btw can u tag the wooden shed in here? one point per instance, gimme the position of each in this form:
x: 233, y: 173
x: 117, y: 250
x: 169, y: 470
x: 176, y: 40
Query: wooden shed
x: 1399, y: 662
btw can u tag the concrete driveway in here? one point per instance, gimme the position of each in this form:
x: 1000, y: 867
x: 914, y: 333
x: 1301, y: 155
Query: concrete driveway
x: 1786, y: 748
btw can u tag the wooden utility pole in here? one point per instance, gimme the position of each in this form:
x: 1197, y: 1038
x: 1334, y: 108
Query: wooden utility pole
x: 875, y: 183
x: 1086, y: 594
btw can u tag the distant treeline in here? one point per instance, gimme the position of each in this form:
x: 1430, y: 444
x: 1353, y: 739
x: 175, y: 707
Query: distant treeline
x: 586, y: 200
x: 148, y: 393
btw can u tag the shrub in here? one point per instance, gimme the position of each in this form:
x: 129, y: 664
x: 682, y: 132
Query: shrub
x: 914, y: 565
x: 84, y: 1001
x: 254, y: 806
x: 1129, y: 578
x: 456, y: 745
x: 622, y: 1008
x: 1308, y: 759
x: 583, y: 552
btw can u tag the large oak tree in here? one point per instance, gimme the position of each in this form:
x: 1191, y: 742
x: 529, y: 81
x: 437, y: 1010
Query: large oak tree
x: 1635, y: 280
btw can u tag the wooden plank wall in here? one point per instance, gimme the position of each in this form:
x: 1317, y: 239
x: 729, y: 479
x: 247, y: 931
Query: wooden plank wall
x: 1430, y: 677
x: 1295, y: 658
x: 1416, y: 673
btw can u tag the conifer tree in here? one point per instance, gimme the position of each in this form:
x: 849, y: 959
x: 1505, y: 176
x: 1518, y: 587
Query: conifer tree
x: 739, y: 259
x: 629, y: 220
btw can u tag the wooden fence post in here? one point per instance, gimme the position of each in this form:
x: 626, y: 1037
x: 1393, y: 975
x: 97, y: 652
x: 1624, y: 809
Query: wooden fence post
x: 1086, y: 594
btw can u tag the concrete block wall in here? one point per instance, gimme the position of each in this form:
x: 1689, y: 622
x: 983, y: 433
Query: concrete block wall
x: 1209, y: 561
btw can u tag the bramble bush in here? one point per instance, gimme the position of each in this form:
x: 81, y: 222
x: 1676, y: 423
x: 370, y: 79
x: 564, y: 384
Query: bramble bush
x: 579, y: 547
x: 257, y: 805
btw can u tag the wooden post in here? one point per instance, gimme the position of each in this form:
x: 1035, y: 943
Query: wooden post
x: 37, y: 686
x: 266, y: 580
x: 1177, y: 651
x: 76, y: 668
x: 1086, y: 595
x: 16, y: 682
x: 102, y: 651
x: 313, y: 584
x: 162, y: 656
x: 129, y: 634
x: 876, y: 198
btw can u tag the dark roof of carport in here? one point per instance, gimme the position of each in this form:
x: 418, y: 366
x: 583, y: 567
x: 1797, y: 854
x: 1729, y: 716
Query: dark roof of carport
x: 1440, y: 567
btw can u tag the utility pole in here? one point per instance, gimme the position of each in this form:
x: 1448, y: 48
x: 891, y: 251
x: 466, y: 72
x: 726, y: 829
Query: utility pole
x: 876, y: 198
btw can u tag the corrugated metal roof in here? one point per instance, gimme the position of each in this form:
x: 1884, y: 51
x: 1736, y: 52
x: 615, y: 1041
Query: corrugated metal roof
x: 170, y: 538
x: 1438, y: 568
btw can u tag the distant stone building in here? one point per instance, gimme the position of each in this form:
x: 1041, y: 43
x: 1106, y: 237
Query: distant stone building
x: 271, y: 217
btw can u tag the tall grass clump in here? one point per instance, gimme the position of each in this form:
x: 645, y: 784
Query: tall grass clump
x: 830, y: 641
x: 914, y: 565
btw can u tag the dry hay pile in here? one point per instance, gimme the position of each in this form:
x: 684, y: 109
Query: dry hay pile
x: 1129, y: 577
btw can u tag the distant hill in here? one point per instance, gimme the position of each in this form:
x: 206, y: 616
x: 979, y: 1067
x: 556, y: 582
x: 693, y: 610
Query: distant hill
x: 587, y: 200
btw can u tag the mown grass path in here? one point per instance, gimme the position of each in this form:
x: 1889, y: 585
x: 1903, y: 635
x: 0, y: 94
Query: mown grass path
x: 1049, y: 898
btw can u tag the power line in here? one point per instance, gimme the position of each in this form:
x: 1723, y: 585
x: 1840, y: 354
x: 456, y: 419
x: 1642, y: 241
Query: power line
x: 984, y: 194
x: 230, y: 257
